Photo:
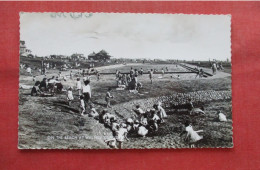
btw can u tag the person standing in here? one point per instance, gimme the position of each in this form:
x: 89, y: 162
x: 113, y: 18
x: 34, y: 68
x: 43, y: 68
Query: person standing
x: 108, y: 97
x: 162, y: 72
x: 151, y: 75
x: 78, y: 86
x: 86, y: 92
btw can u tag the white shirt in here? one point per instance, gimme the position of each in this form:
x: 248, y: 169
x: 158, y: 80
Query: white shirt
x: 86, y: 89
x: 52, y: 81
x: 78, y: 84
x: 140, y: 111
x: 28, y: 70
x: 120, y: 136
x: 155, y: 117
x: 70, y: 95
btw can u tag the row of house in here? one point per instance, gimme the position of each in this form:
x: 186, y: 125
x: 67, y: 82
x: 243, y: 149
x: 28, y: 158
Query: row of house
x: 100, y: 56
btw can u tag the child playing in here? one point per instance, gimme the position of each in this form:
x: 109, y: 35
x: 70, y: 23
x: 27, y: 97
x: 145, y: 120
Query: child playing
x: 142, y: 131
x: 36, y: 90
x: 144, y: 119
x: 192, y: 136
x: 93, y: 112
x: 221, y: 117
x: 108, y: 96
x: 82, y: 105
x: 69, y: 96
x: 139, y: 112
x: 78, y: 86
x: 114, y: 125
x: 155, y: 119
x: 161, y: 111
x: 121, y: 135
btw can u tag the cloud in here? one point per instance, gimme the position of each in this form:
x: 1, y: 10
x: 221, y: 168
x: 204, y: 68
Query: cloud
x: 198, y: 37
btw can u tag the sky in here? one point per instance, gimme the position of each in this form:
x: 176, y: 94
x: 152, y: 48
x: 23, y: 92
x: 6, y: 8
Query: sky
x: 126, y: 35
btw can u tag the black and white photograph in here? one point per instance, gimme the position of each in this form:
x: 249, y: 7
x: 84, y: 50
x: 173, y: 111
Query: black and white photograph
x: 124, y: 81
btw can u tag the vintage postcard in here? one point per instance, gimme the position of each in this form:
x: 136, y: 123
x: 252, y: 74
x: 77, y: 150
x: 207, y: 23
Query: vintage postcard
x: 124, y: 80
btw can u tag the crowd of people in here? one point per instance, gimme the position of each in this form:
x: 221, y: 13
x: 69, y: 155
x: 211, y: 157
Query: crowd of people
x: 144, y: 121
x: 141, y: 124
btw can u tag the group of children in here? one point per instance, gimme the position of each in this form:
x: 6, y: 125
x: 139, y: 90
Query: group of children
x: 46, y: 87
x: 130, y: 80
x: 84, y: 93
x: 140, y: 124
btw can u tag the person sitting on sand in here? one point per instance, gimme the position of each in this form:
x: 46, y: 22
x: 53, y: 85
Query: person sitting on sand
x: 108, y: 97
x: 136, y: 125
x: 144, y: 119
x: 111, y: 143
x: 51, y: 84
x: 129, y: 121
x: 36, y: 90
x: 43, y: 85
x: 69, y: 96
x: 58, y: 85
x: 100, y: 116
x: 139, y: 112
x: 191, y: 136
x: 194, y: 110
x: 93, y: 112
x: 82, y: 105
x: 142, y: 131
x: 139, y: 86
x: 106, y: 118
x: 221, y: 117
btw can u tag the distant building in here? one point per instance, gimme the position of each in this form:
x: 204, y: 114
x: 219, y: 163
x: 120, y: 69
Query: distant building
x: 24, y: 51
x: 77, y: 57
x: 100, y: 56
